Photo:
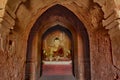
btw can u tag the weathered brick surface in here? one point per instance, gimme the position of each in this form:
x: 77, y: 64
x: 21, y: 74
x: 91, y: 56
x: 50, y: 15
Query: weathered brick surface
x: 3, y: 4
x: 17, y: 18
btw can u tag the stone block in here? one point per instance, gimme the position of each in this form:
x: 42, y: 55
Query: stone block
x: 33, y: 4
x: 112, y: 32
x: 115, y: 43
x: 4, y: 30
x: 116, y: 50
x: 5, y: 24
x: 9, y: 19
x: 10, y: 12
x: 2, y: 12
x: 110, y: 19
x: 23, y: 15
x: 117, y: 3
x: 14, y: 6
x: 2, y: 4
x: 82, y: 3
x: 117, y: 12
x: 114, y: 16
x: 108, y: 8
x: 113, y: 24
x: 100, y: 2
x: 1, y: 19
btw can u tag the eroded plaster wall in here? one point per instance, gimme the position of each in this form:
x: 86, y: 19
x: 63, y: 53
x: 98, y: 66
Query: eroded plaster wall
x: 100, y: 17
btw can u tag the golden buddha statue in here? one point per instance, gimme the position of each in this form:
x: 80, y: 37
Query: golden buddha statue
x: 57, y: 51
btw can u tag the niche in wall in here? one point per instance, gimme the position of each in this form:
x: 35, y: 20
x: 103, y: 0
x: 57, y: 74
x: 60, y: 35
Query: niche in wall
x: 57, y: 54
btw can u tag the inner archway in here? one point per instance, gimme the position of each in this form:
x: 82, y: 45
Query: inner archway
x: 57, y: 54
x: 59, y: 15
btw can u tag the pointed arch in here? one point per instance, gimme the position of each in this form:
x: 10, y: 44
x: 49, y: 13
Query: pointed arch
x: 60, y: 15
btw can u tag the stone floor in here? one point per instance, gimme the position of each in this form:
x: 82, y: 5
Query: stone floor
x: 58, y: 77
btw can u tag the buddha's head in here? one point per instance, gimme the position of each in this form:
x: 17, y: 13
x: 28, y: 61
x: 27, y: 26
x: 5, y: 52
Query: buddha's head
x: 56, y: 42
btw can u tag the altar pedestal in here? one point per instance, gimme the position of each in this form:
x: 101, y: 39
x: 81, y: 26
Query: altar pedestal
x: 61, y: 70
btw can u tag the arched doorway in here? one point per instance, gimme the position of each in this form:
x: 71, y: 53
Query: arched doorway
x: 57, y: 54
x: 58, y: 15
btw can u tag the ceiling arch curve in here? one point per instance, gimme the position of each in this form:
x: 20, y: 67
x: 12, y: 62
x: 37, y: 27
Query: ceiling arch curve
x: 71, y: 22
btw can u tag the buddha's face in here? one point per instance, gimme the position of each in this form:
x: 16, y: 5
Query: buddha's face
x: 56, y: 43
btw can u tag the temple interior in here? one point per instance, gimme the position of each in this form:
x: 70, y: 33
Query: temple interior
x: 59, y: 39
